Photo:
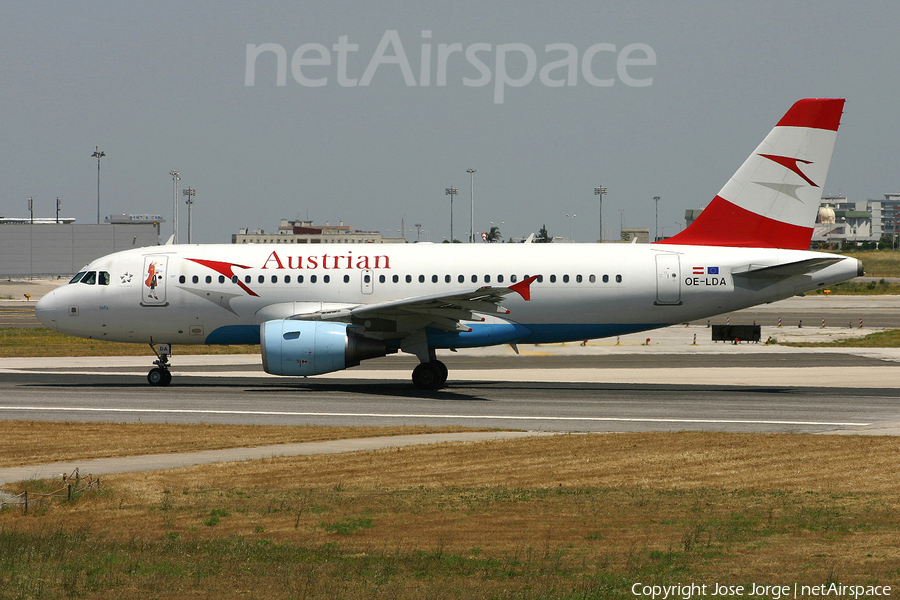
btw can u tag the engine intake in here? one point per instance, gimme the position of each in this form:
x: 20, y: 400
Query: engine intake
x: 313, y: 347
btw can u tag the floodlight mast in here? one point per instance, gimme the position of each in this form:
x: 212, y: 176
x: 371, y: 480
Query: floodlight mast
x: 176, y: 177
x: 451, y: 191
x: 471, y: 172
x: 98, y: 154
x: 190, y: 193
x: 600, y: 192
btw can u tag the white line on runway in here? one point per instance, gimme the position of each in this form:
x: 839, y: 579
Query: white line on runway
x: 422, y: 416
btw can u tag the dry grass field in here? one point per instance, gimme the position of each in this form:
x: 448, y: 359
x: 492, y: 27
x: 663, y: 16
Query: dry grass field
x: 570, y: 516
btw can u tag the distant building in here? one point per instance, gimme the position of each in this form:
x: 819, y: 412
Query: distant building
x: 843, y: 221
x: 49, y: 249
x: 306, y: 232
x: 637, y: 235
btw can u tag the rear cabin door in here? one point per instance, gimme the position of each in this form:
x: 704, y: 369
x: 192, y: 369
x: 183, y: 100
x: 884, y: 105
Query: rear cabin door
x: 668, y: 279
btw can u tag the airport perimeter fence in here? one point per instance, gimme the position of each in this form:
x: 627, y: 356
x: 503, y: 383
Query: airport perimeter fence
x: 74, y: 484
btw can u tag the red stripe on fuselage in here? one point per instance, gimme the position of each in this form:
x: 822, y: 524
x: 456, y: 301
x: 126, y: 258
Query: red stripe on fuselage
x: 725, y: 224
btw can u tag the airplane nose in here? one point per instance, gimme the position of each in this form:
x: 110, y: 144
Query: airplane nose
x: 45, y: 311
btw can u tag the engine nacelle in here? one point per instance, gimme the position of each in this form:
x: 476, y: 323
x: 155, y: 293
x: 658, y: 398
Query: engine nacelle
x: 313, y: 347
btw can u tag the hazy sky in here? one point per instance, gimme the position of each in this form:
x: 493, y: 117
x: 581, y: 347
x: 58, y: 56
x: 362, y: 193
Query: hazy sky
x: 672, y: 98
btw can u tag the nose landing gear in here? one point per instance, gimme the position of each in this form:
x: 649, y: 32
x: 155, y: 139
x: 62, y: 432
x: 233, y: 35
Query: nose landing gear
x: 160, y: 375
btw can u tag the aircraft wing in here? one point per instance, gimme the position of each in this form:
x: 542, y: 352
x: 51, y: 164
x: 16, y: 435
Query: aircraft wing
x: 783, y: 271
x: 442, y: 311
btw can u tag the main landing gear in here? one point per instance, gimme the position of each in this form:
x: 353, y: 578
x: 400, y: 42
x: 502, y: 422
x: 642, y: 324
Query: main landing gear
x: 431, y: 375
x: 160, y: 375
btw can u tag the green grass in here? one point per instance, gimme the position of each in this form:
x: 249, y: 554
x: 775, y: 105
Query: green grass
x: 42, y: 342
x: 857, y: 288
x: 725, y: 537
x: 877, y: 263
x: 879, y: 339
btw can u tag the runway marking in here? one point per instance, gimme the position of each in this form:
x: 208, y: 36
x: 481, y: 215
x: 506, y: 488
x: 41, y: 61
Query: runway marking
x: 185, y: 411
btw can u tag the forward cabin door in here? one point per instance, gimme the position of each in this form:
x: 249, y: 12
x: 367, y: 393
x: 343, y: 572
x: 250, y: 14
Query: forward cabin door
x: 153, y: 280
x: 668, y: 279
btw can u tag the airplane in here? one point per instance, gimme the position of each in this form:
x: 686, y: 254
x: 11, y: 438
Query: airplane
x: 322, y: 308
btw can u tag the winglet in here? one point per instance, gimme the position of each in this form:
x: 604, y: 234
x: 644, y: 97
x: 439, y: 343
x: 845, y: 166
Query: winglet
x: 523, y: 288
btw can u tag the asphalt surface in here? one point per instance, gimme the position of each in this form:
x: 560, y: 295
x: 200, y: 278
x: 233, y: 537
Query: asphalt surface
x: 672, y: 379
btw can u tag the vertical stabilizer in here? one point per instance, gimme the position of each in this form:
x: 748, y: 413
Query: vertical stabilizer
x: 773, y: 198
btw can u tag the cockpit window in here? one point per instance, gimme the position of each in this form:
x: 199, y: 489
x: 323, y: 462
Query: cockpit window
x: 90, y: 278
x: 104, y: 278
x: 77, y: 277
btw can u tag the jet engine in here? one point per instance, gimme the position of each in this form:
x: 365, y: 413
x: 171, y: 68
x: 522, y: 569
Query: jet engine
x: 314, y: 347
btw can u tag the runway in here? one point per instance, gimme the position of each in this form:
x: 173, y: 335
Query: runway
x: 680, y: 380
x: 573, y: 389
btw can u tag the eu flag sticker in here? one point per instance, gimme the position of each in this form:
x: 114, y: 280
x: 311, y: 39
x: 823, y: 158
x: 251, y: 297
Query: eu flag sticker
x: 712, y: 270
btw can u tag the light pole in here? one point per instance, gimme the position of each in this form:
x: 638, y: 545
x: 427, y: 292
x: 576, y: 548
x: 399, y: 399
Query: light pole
x: 98, y: 154
x: 418, y: 231
x: 31, y: 208
x: 571, y: 218
x: 656, y: 227
x: 451, y: 191
x: 600, y: 192
x: 58, y: 204
x: 190, y: 193
x: 176, y: 177
x: 471, y: 172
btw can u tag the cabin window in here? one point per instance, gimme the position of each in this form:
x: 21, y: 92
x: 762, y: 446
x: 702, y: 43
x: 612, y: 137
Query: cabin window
x: 593, y: 279
x: 578, y: 279
x: 474, y: 278
x: 347, y: 279
x: 261, y: 279
x: 195, y: 279
x: 462, y: 278
x: 221, y: 279
x: 274, y: 278
x: 312, y: 278
x: 409, y: 279
x: 565, y: 279
x: 299, y: 278
x: 434, y: 279
x: 381, y: 279
x: 499, y: 278
x: 395, y: 278
x: 553, y: 279
x: 487, y: 278
x: 287, y: 278
x: 421, y: 279
x: 513, y: 278
x: 234, y: 279
x: 367, y: 278
x: 208, y: 279
x: 326, y: 278
x: 606, y: 279
x: 180, y: 279
x: 247, y: 279
x: 104, y: 278
x: 618, y: 279
x: 540, y: 279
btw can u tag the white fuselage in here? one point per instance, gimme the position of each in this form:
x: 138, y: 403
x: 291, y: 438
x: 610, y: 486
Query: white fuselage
x: 220, y: 294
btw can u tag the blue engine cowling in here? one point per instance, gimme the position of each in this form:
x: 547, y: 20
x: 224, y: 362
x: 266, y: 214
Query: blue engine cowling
x: 313, y: 347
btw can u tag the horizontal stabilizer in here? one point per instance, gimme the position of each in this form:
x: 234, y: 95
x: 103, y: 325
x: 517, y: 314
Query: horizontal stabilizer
x: 783, y: 271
